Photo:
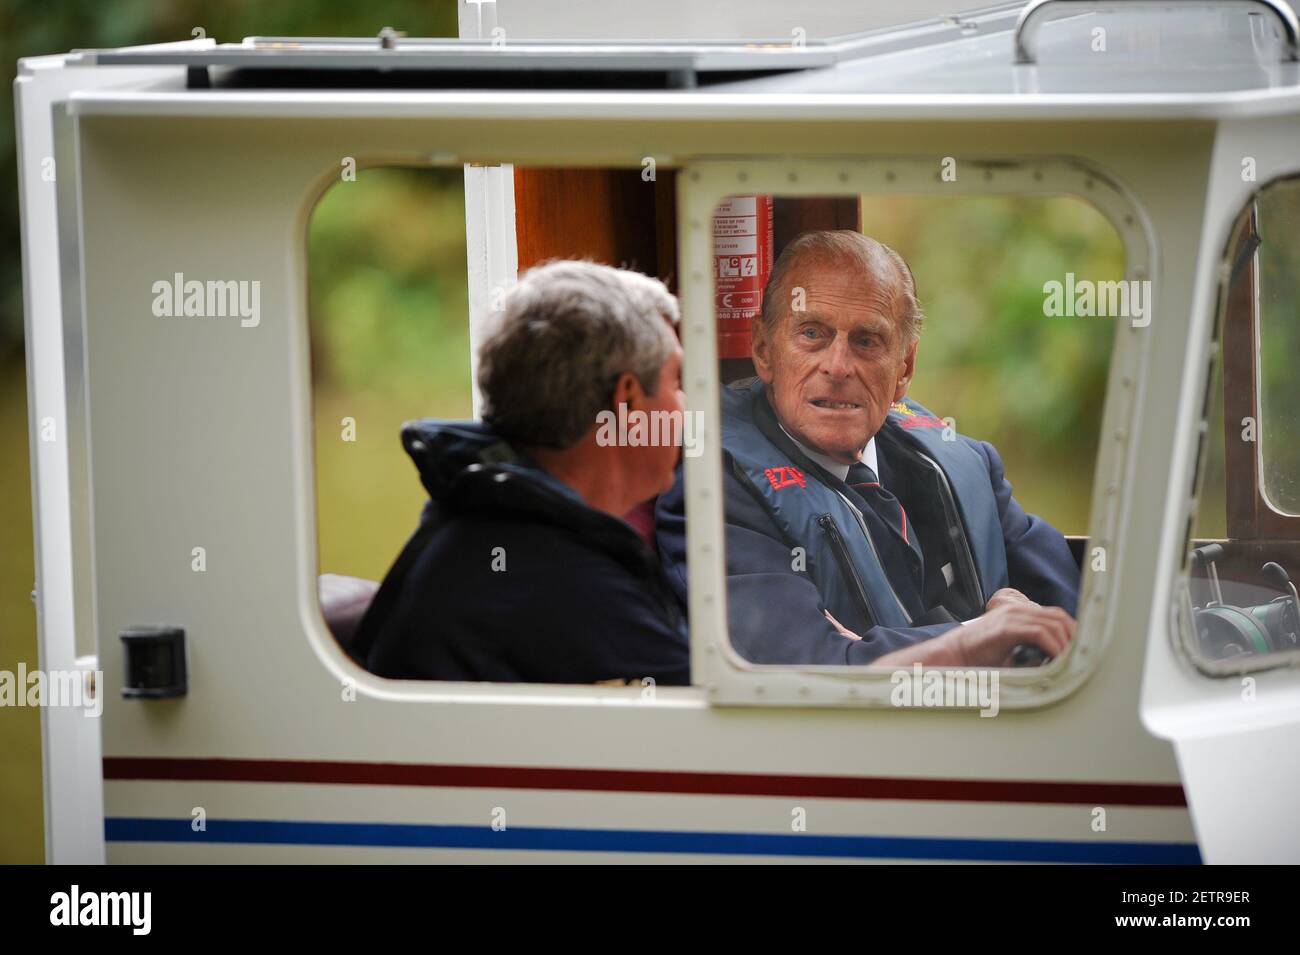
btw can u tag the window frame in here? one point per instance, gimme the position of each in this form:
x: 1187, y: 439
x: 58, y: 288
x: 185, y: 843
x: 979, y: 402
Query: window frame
x: 727, y: 678
x: 1250, y: 517
x: 1270, y: 521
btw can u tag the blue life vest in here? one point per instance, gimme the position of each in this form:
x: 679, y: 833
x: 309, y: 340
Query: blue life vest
x: 842, y: 558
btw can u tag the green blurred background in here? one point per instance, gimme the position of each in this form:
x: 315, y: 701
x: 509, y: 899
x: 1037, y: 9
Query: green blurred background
x: 1278, y: 213
x: 989, y: 358
x: 390, y: 337
x: 389, y: 308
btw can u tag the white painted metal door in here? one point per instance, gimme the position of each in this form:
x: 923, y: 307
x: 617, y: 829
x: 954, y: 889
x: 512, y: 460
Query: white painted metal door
x: 56, y: 406
x: 1236, y: 735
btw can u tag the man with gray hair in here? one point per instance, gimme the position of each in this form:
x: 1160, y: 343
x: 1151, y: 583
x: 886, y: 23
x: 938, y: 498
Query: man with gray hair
x: 523, y: 568
x: 861, y: 528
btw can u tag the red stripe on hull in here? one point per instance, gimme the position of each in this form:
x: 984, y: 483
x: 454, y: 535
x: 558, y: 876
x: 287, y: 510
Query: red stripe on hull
x: 645, y: 781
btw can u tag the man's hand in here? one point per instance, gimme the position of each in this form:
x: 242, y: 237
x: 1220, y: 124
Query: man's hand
x: 844, y: 631
x: 1009, y: 596
x: 989, y: 639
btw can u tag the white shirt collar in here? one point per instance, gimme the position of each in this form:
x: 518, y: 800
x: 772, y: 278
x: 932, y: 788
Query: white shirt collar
x: 841, y: 471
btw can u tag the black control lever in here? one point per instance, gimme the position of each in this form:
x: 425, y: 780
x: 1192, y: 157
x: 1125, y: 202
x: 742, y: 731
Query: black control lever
x: 1206, y: 557
x: 1028, y: 655
x: 1276, y: 575
x: 1288, y: 624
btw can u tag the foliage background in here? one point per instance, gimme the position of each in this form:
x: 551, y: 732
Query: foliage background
x: 390, y: 342
x: 989, y: 358
x: 1279, y: 341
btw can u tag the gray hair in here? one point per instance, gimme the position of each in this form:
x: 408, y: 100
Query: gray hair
x: 570, y: 330
x: 855, y: 251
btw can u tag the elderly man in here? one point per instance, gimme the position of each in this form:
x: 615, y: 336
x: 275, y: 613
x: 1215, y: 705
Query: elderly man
x: 522, y: 568
x: 860, y: 529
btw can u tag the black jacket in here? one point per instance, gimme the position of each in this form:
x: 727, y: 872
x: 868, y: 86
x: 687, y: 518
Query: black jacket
x: 511, y: 577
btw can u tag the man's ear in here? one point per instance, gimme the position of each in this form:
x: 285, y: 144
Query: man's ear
x: 909, y: 368
x: 628, y: 391
x: 760, y: 349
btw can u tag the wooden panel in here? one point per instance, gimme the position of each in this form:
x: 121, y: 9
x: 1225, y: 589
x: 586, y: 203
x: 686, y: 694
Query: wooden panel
x: 666, y: 228
x: 606, y: 215
x: 794, y: 216
x: 1238, y: 356
x: 1250, y: 517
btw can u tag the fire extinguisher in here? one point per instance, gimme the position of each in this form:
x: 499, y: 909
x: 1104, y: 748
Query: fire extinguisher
x: 742, y: 262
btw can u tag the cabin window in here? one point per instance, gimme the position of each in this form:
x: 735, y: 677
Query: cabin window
x: 388, y: 317
x: 399, y: 305
x: 1237, y: 604
x: 1278, y: 215
x: 864, y: 480
x: 1015, y: 336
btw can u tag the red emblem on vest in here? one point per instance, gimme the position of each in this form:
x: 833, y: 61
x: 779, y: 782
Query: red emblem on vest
x: 923, y: 421
x: 785, y: 477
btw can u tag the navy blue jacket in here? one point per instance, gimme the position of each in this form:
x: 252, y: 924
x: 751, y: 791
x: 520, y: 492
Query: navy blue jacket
x: 581, y: 597
x: 775, y: 609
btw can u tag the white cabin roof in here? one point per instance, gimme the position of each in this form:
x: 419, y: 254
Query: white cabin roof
x: 1108, y: 59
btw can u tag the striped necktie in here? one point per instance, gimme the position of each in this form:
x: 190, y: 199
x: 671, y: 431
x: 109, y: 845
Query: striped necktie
x: 887, y: 507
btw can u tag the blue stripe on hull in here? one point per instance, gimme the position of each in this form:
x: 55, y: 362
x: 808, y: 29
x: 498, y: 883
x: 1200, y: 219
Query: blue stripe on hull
x: 406, y: 835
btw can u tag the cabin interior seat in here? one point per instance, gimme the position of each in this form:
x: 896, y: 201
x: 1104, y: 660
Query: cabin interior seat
x: 343, y: 602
